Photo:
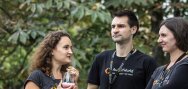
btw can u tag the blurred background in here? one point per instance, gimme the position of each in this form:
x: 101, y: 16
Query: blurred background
x: 24, y: 23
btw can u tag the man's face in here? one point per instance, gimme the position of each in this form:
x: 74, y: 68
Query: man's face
x: 121, y: 32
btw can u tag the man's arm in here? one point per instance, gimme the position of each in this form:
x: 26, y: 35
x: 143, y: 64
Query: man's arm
x: 92, y: 86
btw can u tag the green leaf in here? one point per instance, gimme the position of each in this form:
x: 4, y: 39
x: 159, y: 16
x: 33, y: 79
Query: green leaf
x: 136, y: 2
x: 48, y: 4
x: 93, y: 16
x: 59, y: 5
x: 28, y: 2
x: 80, y: 13
x: 101, y: 16
x: 14, y: 38
x: 76, y: 62
x: 23, y: 37
x: 129, y: 2
x: 39, y: 8
x: 144, y: 2
x: 44, y: 20
x: 66, y: 4
x: 33, y: 8
x: 114, y: 3
x: 74, y: 12
x: 95, y: 40
x: 33, y: 34
x: 41, y: 33
x: 108, y: 17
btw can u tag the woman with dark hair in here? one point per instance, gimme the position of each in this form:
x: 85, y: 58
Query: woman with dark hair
x: 50, y: 61
x: 173, y: 38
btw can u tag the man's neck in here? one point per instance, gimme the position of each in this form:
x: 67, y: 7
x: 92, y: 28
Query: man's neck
x: 123, y: 49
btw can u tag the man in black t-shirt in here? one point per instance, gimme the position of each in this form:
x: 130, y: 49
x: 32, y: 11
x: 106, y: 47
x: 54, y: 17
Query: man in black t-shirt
x: 124, y: 67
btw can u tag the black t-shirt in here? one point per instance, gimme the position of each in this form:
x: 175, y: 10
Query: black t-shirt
x: 174, y: 78
x: 42, y: 80
x: 135, y: 73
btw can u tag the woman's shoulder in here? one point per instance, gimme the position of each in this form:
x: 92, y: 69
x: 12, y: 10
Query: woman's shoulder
x: 36, y: 76
x: 161, y: 67
x: 184, y: 61
x: 157, y: 71
x: 37, y: 73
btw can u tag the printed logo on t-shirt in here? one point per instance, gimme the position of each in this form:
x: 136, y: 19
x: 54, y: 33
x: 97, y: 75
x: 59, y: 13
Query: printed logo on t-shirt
x: 128, y: 72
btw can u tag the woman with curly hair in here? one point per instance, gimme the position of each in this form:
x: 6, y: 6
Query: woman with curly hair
x: 50, y: 61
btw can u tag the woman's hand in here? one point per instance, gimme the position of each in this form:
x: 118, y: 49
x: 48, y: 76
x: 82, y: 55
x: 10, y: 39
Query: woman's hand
x: 73, y: 71
x: 60, y: 86
x: 75, y: 74
x: 71, y: 87
x: 65, y: 86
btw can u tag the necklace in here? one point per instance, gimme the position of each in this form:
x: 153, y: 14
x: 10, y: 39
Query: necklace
x: 111, y: 80
x: 56, y: 81
x: 166, y: 72
x: 179, y: 58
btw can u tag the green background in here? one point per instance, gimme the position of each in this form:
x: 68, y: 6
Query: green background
x: 24, y: 23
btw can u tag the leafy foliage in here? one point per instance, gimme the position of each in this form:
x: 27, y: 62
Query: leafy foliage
x: 23, y: 23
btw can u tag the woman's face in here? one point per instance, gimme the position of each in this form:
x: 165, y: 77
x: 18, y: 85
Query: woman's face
x: 166, y: 39
x: 62, y: 53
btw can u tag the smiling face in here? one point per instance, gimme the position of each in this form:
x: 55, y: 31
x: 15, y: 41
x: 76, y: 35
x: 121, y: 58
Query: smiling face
x: 120, y: 30
x: 62, y: 53
x: 166, y: 39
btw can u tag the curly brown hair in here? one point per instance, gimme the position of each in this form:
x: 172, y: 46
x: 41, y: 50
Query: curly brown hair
x: 42, y: 57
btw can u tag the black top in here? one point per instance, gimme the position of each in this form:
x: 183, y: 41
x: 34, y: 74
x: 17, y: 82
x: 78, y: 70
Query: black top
x: 174, y: 78
x: 135, y: 73
x: 42, y: 80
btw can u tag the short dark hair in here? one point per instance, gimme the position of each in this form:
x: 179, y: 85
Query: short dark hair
x: 179, y: 27
x: 132, y: 19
